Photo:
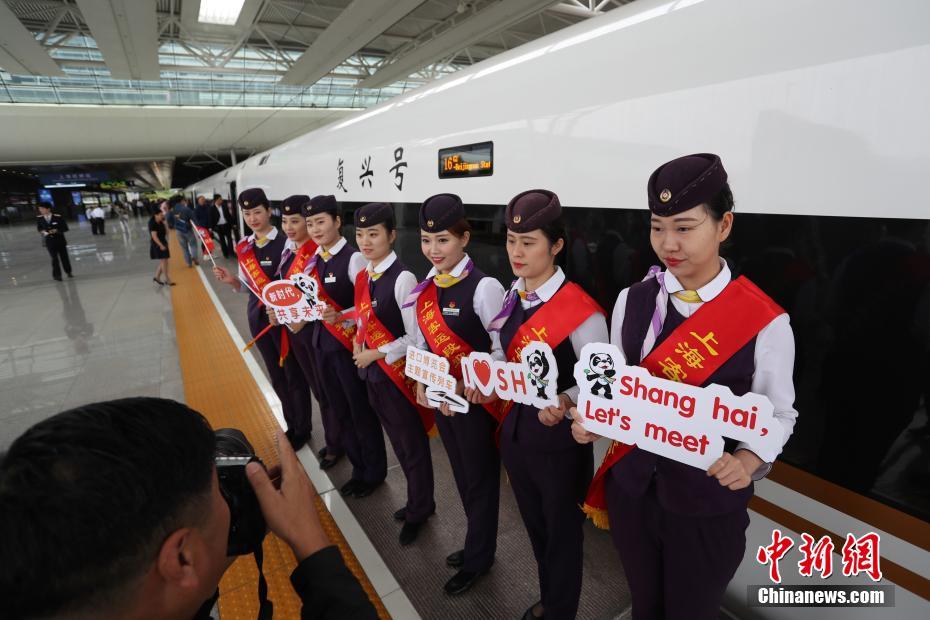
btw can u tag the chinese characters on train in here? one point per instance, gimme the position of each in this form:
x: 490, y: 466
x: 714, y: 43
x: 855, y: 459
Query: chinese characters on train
x: 368, y: 169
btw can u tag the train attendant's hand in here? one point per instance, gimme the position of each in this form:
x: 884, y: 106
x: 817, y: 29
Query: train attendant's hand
x: 550, y: 416
x: 580, y: 434
x: 734, y: 471
x: 289, y: 508
x: 421, y: 395
x: 223, y: 275
x: 356, y: 348
x: 444, y: 410
x: 330, y: 315
x: 363, y: 359
x: 272, y: 317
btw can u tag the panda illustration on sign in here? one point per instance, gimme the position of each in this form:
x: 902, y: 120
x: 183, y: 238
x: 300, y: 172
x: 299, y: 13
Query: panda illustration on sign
x: 308, y: 286
x: 600, y: 372
x: 539, y: 371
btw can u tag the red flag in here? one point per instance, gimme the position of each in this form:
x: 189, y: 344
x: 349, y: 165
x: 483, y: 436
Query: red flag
x: 206, y: 237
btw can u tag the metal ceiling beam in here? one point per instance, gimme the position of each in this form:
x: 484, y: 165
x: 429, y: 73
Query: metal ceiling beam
x: 357, y: 25
x: 494, y: 18
x: 19, y: 51
x: 126, y: 32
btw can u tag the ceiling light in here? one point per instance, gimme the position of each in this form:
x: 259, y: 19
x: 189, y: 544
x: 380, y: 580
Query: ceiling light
x: 222, y: 12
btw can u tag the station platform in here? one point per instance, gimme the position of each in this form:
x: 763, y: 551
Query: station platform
x: 111, y: 332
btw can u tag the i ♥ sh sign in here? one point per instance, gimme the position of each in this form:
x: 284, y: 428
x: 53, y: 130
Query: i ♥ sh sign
x: 532, y: 381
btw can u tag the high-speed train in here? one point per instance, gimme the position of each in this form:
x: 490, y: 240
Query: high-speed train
x: 821, y: 113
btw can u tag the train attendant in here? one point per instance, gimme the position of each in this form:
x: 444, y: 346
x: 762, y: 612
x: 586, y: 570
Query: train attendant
x: 385, y: 331
x: 335, y: 266
x: 259, y: 256
x: 680, y: 531
x: 296, y: 257
x: 548, y: 470
x: 454, y: 306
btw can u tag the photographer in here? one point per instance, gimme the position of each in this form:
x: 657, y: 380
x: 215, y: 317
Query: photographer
x: 115, y: 510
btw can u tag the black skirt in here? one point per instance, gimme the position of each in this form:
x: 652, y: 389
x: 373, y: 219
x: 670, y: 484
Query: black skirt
x: 156, y: 253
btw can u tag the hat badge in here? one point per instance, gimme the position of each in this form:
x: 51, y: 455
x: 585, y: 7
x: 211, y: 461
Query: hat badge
x: 517, y: 219
x: 245, y: 203
x: 666, y: 195
x: 430, y: 223
x: 362, y: 219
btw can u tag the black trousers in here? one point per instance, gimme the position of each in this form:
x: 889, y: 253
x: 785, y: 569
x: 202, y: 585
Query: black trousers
x: 59, y: 254
x: 361, y: 434
x: 476, y: 466
x: 401, y: 422
x: 677, y: 566
x: 550, y: 488
x: 287, y: 381
x: 96, y: 225
x: 224, y: 232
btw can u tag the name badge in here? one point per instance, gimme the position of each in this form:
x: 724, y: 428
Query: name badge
x: 374, y: 303
x: 329, y: 279
x: 266, y: 263
x: 450, y: 311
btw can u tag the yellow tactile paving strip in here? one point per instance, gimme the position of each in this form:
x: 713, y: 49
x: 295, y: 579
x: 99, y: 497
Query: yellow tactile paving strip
x: 219, y: 385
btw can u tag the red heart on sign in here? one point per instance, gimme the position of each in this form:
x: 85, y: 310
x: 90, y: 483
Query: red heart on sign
x: 482, y: 371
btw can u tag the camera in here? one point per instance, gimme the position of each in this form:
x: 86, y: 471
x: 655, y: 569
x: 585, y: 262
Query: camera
x: 246, y: 524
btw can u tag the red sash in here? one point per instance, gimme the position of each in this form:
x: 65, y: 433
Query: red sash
x: 376, y: 335
x: 717, y: 330
x: 442, y: 340
x: 245, y: 252
x: 552, y: 324
x: 345, y: 335
x: 301, y: 258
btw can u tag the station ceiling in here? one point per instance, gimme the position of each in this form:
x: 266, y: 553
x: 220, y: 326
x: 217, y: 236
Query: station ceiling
x: 280, y: 68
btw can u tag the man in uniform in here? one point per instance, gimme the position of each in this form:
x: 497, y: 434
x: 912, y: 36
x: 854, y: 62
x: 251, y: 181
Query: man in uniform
x: 53, y: 227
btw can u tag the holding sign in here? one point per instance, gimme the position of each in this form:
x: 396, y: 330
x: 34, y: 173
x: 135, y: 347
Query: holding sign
x: 433, y: 371
x: 530, y: 382
x: 294, y: 300
x: 675, y: 420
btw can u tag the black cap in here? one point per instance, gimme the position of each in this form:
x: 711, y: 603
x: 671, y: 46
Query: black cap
x: 374, y: 213
x: 440, y: 212
x: 293, y: 205
x: 321, y: 204
x: 531, y: 210
x: 253, y: 197
x: 685, y: 183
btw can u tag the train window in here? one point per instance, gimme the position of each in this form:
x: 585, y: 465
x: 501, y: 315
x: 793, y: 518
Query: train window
x: 470, y: 160
x: 858, y: 294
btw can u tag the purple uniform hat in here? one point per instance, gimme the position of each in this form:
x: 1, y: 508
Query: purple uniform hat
x: 441, y: 211
x: 293, y: 205
x: 321, y: 204
x: 253, y: 197
x: 532, y: 210
x: 374, y: 213
x: 685, y: 183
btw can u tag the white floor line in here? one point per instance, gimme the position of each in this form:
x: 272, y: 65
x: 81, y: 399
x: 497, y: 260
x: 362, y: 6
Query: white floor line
x: 386, y: 586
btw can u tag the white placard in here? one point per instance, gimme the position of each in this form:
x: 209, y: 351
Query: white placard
x: 294, y: 300
x: 676, y: 420
x: 433, y: 371
x: 532, y: 381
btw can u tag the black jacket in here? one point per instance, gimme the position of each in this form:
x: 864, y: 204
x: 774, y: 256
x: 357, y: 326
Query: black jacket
x: 326, y: 588
x: 215, y: 216
x: 56, y: 227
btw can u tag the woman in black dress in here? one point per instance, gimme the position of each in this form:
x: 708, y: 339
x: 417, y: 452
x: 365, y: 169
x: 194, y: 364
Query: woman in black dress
x: 159, y: 248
